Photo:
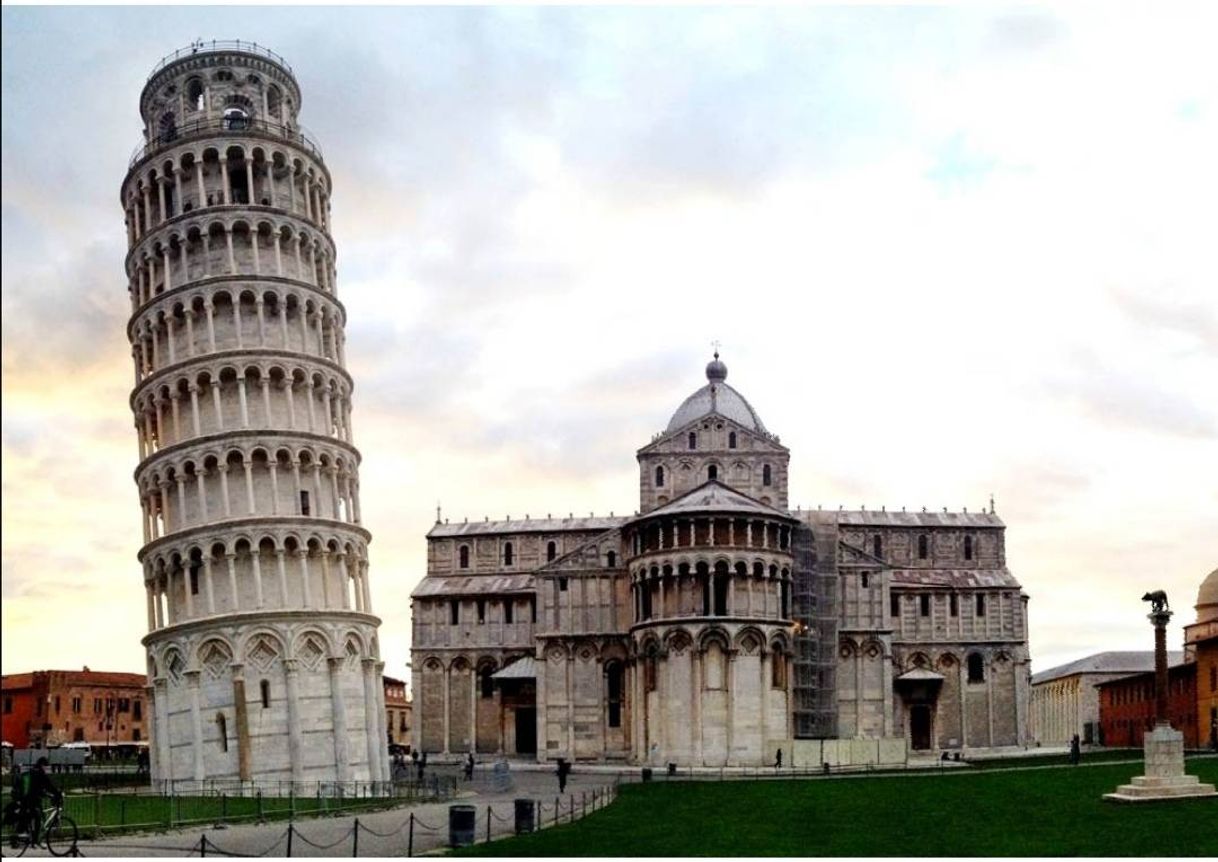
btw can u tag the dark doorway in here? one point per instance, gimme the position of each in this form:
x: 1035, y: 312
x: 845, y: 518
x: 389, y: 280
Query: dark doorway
x: 526, y: 730
x: 919, y: 727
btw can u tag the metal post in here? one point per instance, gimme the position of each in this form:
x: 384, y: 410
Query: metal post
x: 261, y: 818
x: 410, y: 837
x: 355, y: 839
x: 557, y: 802
x: 202, y: 845
x: 290, y: 831
x: 571, y: 813
x: 488, y: 823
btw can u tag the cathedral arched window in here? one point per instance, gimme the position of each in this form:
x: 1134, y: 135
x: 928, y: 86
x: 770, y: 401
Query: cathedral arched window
x: 611, y: 559
x: 659, y: 477
x: 551, y: 551
x: 463, y: 557
x: 922, y: 547
x: 778, y: 671
x: 712, y: 472
x: 968, y: 547
x: 508, y: 554
x: 767, y: 478
x: 877, y: 545
x: 693, y: 440
x: 613, y: 681
x: 976, y: 667
x: 731, y: 440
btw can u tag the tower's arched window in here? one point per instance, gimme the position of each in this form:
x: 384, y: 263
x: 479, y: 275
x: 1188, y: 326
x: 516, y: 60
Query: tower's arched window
x: 767, y: 477
x: 551, y: 551
x: 968, y: 547
x: 508, y: 554
x: 877, y: 545
x: 659, y: 477
x: 265, y: 689
x: 976, y: 667
x: 731, y: 440
x: 463, y: 557
x: 922, y: 547
x: 194, y: 94
x: 236, y: 119
x: 693, y: 440
x: 169, y: 127
x: 272, y: 100
x: 222, y: 724
x: 712, y: 472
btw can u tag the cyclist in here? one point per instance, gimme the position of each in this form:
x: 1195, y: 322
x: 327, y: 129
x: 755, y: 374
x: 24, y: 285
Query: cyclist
x: 36, y: 785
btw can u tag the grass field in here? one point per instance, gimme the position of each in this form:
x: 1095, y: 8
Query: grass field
x: 1002, y: 812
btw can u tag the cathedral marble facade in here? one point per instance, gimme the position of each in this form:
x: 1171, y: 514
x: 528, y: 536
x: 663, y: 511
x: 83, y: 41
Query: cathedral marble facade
x: 718, y: 625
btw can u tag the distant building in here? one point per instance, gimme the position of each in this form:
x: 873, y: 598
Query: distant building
x: 1065, y: 700
x: 51, y: 707
x: 397, y: 711
x: 1201, y: 645
x: 1127, y: 706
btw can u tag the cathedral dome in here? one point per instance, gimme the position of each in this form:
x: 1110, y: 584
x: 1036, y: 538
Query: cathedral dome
x: 1207, y: 599
x: 716, y: 397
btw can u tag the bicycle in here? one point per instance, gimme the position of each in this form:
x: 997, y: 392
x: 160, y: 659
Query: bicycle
x: 58, y: 833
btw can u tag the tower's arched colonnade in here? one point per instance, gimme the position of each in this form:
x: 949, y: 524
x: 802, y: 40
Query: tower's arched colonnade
x: 263, y: 658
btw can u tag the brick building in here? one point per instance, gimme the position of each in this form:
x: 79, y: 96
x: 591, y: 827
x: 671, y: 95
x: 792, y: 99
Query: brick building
x: 51, y: 707
x: 398, y: 710
x: 1127, y: 706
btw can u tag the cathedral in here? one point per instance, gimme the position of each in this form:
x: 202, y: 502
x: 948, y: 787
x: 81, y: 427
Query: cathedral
x: 717, y: 625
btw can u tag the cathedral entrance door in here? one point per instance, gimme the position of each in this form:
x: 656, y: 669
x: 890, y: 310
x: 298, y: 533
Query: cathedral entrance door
x: 526, y: 730
x: 919, y: 726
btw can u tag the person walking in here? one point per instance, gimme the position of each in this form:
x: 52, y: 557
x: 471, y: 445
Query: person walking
x: 469, y: 766
x: 564, y: 769
x: 778, y: 760
x: 1076, y: 753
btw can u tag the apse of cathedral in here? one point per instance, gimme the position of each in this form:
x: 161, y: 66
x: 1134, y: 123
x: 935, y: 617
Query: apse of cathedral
x: 717, y: 626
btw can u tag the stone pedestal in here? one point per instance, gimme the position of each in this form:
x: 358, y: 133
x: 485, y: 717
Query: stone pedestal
x: 1164, y: 778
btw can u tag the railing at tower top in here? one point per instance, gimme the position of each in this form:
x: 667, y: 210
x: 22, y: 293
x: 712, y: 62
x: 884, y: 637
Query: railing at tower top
x: 201, y: 47
x: 225, y: 125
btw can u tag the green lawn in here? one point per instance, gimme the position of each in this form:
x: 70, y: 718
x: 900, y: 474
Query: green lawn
x: 1043, y: 812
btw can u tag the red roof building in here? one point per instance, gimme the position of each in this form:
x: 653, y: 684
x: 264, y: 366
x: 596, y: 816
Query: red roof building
x: 51, y: 707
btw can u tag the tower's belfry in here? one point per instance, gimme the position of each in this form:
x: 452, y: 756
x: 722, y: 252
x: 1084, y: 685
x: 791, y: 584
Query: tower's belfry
x: 263, y: 660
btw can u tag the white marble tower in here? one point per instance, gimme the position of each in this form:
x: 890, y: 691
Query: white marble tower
x: 263, y: 660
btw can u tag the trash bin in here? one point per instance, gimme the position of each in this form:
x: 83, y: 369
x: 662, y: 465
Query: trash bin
x: 672, y: 769
x: 647, y: 773
x: 525, y: 816
x: 461, y: 825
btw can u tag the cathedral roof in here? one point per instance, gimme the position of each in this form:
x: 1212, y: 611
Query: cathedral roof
x: 957, y: 579
x: 524, y: 525
x: 1106, y: 662
x: 870, y: 518
x: 714, y: 496
x: 719, y: 398
x: 471, y: 585
x: 1207, y: 598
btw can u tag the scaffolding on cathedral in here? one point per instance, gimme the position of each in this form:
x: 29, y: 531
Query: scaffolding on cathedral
x: 815, y: 614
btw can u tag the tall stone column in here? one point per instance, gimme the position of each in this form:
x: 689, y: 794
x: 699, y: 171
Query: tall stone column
x: 338, y: 718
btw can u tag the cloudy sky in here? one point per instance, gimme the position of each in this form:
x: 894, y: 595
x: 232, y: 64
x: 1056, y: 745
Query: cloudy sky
x: 949, y: 252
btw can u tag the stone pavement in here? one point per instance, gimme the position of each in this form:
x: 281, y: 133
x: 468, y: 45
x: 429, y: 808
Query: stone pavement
x: 381, y: 833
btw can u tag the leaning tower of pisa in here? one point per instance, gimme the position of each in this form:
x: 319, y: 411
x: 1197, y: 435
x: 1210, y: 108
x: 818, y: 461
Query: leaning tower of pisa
x: 263, y: 662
